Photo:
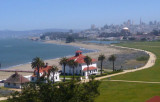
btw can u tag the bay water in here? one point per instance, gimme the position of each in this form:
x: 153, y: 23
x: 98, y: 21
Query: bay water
x: 20, y: 51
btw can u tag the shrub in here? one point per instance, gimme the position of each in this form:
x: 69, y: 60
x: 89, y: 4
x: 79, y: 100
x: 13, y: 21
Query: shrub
x: 62, y: 92
x: 107, y: 73
x: 142, y: 58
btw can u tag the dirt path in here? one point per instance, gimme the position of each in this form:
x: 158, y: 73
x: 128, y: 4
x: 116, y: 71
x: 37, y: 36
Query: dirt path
x: 3, y: 98
x: 134, y: 81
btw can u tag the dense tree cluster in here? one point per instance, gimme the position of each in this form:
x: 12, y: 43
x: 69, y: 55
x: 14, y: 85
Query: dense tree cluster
x: 54, y: 35
x: 117, y: 34
x: 69, y: 39
x: 60, y: 35
x: 155, y: 32
x: 62, y: 92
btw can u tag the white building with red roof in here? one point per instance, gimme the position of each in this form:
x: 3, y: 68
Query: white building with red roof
x: 43, y: 72
x: 82, y: 66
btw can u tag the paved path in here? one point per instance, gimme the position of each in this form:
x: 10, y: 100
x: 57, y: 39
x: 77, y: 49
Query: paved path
x: 149, y: 64
x: 134, y: 81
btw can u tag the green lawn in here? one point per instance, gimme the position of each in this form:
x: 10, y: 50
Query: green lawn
x: 133, y: 92
x: 127, y: 92
x: 4, y: 101
x: 70, y: 76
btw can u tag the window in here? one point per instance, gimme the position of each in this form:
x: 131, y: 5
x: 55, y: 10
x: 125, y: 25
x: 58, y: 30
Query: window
x: 8, y: 84
x: 32, y: 78
x: 90, y: 71
x: 56, y: 77
x: 14, y: 84
x: 80, y: 71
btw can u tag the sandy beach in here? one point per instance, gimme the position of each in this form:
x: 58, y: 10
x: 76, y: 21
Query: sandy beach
x: 107, y: 50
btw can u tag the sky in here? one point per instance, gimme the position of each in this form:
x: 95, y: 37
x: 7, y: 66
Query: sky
x: 74, y: 14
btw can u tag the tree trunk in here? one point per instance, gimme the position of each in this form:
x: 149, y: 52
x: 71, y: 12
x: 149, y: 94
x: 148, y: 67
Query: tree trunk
x: 88, y: 71
x: 101, y: 67
x: 113, y: 65
x: 53, y: 77
x: 48, y: 77
x: 38, y: 72
x: 64, y: 73
x: 73, y: 73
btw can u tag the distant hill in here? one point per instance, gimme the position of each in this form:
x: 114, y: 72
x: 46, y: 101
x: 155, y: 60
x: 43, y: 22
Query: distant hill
x: 28, y: 33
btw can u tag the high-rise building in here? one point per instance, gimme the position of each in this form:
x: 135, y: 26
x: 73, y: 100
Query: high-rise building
x: 140, y: 22
x: 129, y: 22
x: 93, y: 26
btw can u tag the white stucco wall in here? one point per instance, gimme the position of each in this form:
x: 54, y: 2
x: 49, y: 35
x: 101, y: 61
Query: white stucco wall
x: 56, y: 77
x: 92, y: 65
x: 79, y: 69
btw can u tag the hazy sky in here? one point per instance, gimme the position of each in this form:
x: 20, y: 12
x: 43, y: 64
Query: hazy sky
x: 74, y: 14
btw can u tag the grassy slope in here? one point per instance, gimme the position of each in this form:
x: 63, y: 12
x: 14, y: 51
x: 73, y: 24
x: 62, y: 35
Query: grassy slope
x: 151, y: 74
x: 4, y: 101
x: 127, y: 92
x: 134, y: 92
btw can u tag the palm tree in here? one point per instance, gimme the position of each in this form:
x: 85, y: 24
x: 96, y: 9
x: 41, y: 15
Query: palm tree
x: 53, y: 70
x: 112, y: 58
x: 73, y: 64
x: 101, y: 58
x: 64, y: 61
x: 88, y: 61
x: 37, y: 63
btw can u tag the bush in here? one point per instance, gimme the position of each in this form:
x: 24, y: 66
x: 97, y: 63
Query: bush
x: 103, y: 74
x: 116, y: 71
x: 142, y: 58
x: 62, y: 92
x: 92, y: 77
x: 143, y: 39
x: 69, y: 39
x: 108, y: 73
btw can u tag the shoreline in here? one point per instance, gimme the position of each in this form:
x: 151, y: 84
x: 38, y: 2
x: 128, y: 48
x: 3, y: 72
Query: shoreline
x: 26, y: 63
x: 98, y: 49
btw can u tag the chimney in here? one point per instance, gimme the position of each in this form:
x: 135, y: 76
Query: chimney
x: 78, y: 53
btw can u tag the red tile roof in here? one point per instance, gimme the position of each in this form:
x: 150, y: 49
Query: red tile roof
x: 41, y: 70
x: 154, y: 99
x: 78, y: 51
x: 80, y: 58
x: 90, y: 68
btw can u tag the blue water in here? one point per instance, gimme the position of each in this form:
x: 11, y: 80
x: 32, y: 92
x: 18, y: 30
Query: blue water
x: 103, y: 42
x: 20, y: 51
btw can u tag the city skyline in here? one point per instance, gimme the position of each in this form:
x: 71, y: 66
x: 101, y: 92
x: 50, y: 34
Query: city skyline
x: 28, y: 15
